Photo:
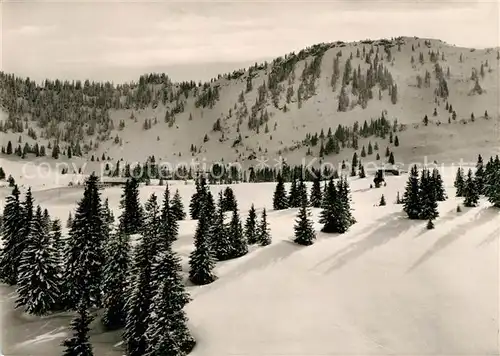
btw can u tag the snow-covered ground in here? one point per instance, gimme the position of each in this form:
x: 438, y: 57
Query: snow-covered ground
x: 388, y: 286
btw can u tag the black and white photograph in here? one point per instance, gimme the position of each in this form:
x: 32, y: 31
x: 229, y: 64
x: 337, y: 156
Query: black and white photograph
x: 249, y: 178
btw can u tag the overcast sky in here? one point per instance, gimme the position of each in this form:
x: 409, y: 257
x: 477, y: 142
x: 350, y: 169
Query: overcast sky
x: 119, y: 40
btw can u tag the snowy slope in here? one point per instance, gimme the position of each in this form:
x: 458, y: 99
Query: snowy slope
x: 318, y: 113
x: 388, y: 286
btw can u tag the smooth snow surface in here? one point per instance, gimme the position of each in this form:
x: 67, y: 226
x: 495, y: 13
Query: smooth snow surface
x: 387, y: 287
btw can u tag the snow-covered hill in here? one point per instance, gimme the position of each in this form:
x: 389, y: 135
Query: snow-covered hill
x: 388, y: 286
x: 289, y: 120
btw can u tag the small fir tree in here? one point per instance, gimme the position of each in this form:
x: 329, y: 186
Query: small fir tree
x: 178, y: 207
x: 304, y: 232
x: 280, y: 199
x: 316, y: 192
x: 459, y: 182
x: 263, y: 233
x: 471, y: 191
x: 237, y: 241
x: 251, y: 226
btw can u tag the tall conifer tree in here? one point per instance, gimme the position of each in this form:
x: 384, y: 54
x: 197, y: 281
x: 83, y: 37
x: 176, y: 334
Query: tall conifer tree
x: 85, y: 250
x: 11, y: 252
x: 115, y: 281
x: 411, y: 198
x: 39, y: 282
x: 144, y: 287
x: 471, y: 191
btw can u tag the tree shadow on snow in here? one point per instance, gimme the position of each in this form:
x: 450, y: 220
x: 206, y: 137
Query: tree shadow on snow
x: 395, y: 224
x: 481, y: 217
x: 492, y: 237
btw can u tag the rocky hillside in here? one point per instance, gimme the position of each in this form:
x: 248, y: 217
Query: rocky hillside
x: 423, y: 91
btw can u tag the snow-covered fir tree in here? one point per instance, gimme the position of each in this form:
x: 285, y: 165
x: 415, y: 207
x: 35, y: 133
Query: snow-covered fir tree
x: 196, y: 204
x: 131, y: 219
x: 302, y: 192
x: 10, y: 254
x: 336, y: 215
x: 58, y: 244
x: 459, y: 182
x: 85, y: 250
x: 218, y: 234
x: 237, y: 241
x: 69, y: 222
x: 471, y: 191
x: 428, y: 201
x: 167, y: 332
x: 108, y: 219
x: 177, y: 206
x: 263, y: 232
x: 480, y: 174
x: 492, y: 182
x: 345, y: 199
x: 229, y: 201
x: 202, y: 258
x: 251, y: 226
x: 170, y: 225
x: 293, y: 196
x: 382, y: 201
x: 79, y: 344
x: 280, y: 200
x: 411, y: 198
x: 304, y: 231
x: 438, y: 185
x: 143, y: 282
x: 115, y: 280
x: 39, y: 281
x: 316, y: 192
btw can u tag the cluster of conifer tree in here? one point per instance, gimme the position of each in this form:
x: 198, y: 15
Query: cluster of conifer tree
x: 216, y: 239
x: 336, y: 215
x: 95, y: 267
x: 422, y: 194
x: 484, y: 181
